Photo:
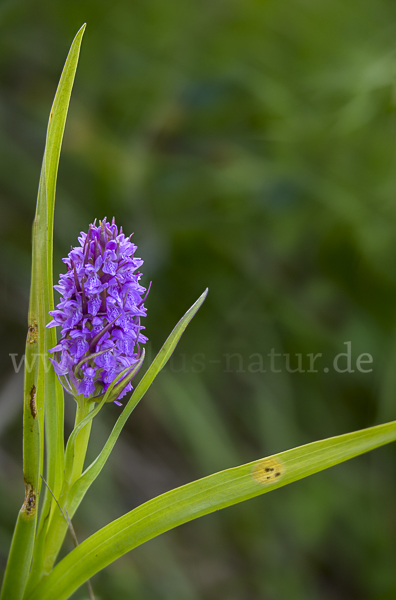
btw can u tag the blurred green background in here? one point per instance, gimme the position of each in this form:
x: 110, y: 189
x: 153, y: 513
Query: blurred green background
x: 251, y: 147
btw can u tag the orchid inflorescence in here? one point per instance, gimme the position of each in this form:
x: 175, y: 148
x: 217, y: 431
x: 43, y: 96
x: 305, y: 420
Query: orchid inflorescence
x: 100, y: 309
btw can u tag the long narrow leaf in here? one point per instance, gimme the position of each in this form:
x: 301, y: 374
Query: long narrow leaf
x: 40, y: 383
x: 81, y: 486
x: 71, y: 443
x: 54, y: 392
x: 20, y: 556
x: 75, y: 495
x: 21, y: 551
x: 200, y: 498
x: 49, y: 397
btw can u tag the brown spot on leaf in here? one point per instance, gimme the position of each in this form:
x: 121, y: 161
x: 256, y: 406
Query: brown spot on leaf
x: 32, y: 332
x: 29, y: 505
x: 32, y: 402
x: 268, y: 470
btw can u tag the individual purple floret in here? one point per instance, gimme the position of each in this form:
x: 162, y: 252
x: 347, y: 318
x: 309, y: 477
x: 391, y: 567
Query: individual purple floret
x: 99, y: 312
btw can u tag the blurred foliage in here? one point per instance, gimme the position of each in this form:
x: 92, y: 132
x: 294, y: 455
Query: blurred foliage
x: 251, y: 147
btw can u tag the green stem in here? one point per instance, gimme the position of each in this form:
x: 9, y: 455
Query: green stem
x: 58, y: 527
x: 80, y: 449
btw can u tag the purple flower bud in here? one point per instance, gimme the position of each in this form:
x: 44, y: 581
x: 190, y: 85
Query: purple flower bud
x: 99, y: 312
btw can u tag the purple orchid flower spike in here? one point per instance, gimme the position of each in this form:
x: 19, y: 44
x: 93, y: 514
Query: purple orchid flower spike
x: 100, y: 309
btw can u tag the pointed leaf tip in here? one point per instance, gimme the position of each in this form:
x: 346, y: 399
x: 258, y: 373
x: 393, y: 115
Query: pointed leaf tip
x: 202, y: 297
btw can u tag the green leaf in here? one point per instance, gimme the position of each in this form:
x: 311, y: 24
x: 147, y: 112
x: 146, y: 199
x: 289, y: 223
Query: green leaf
x: 43, y: 395
x: 81, y: 486
x: 58, y: 527
x: 200, y: 498
x: 53, y: 389
x: 113, y: 391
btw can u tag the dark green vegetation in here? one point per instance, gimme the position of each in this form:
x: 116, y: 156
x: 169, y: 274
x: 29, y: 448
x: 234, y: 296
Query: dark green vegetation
x: 251, y: 146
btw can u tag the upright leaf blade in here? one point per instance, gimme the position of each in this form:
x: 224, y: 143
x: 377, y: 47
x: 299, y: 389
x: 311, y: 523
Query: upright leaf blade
x: 55, y: 131
x: 58, y: 526
x: 43, y: 396
x: 52, y: 390
x: 200, y: 498
x: 81, y: 486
